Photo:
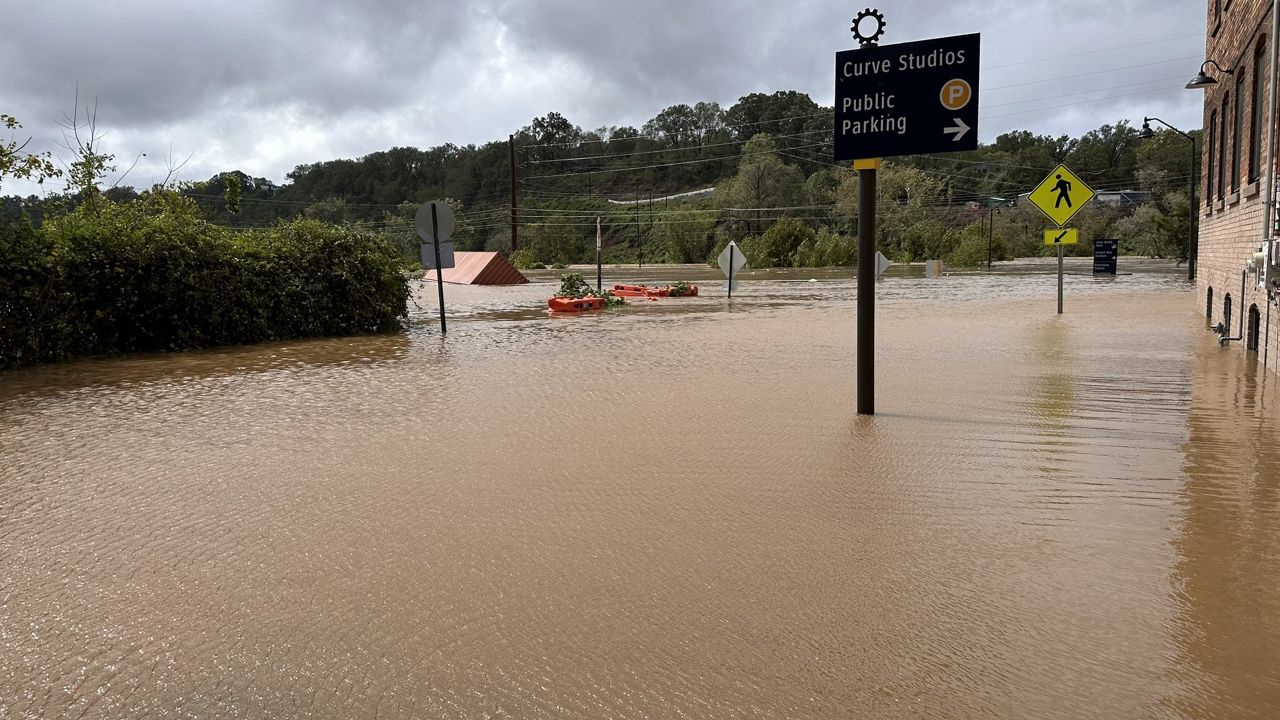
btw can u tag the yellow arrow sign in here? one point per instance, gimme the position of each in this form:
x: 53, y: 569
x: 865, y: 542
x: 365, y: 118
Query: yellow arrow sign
x: 1065, y: 236
x: 1061, y: 195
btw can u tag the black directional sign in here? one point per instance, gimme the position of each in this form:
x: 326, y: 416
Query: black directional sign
x: 907, y: 99
x: 1104, y: 256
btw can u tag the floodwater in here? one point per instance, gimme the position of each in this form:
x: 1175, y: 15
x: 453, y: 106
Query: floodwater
x: 666, y: 511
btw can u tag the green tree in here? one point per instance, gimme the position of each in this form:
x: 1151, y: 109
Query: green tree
x: 905, y: 227
x: 763, y: 181
x: 15, y: 162
x: 1106, y: 155
x: 554, y: 241
x: 685, y: 237
x: 778, y: 245
x: 231, y: 192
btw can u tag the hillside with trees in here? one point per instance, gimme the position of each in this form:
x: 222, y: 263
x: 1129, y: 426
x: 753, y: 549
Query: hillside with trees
x: 776, y: 190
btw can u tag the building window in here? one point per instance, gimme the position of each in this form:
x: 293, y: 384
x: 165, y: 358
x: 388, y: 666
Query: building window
x: 1222, y: 147
x: 1255, y: 128
x: 1208, y: 306
x: 1237, y: 134
x: 1211, y: 147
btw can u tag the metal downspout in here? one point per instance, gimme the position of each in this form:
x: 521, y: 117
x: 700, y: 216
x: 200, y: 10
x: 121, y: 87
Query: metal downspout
x: 1269, y: 200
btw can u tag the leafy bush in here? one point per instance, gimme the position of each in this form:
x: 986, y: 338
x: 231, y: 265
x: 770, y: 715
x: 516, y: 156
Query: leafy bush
x: 573, y: 285
x: 153, y: 275
x: 523, y: 259
x: 971, y: 250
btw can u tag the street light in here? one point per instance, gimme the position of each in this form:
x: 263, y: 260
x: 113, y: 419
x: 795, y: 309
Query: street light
x: 1203, y: 81
x: 1147, y: 133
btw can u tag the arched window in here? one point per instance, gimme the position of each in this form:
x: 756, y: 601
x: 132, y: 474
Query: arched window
x: 1255, y: 324
x: 1208, y: 306
x: 1226, y: 312
x: 1237, y: 132
x: 1222, y: 146
x: 1255, y: 125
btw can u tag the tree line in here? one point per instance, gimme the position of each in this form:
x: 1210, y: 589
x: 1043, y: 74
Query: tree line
x: 768, y: 158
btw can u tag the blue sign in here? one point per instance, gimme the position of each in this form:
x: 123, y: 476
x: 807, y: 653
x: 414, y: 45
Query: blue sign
x: 1105, y: 253
x: 907, y: 99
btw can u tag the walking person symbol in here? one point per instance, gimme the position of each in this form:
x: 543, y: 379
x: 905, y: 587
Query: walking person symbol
x: 1063, y: 189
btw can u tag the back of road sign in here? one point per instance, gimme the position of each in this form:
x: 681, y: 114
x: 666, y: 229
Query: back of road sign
x: 882, y: 263
x: 444, y: 222
x: 907, y: 99
x: 738, y: 259
x: 428, y: 254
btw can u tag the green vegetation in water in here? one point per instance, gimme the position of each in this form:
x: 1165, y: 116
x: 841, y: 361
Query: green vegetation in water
x: 573, y: 285
x: 680, y: 288
x: 153, y: 275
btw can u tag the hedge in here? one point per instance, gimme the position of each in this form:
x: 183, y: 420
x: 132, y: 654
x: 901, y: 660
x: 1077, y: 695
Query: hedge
x: 152, y: 275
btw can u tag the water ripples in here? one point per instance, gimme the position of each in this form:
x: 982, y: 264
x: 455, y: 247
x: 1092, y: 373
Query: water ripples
x: 670, y: 510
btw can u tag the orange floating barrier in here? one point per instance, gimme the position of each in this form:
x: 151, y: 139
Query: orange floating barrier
x: 564, y: 304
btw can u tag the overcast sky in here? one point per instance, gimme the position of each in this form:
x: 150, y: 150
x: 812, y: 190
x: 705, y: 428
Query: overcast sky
x: 264, y: 86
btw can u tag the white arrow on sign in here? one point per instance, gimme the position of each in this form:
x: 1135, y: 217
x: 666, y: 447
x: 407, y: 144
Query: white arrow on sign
x: 882, y: 263
x: 960, y: 128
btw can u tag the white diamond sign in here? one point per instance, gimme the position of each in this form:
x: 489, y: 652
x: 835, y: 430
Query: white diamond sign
x: 732, y: 260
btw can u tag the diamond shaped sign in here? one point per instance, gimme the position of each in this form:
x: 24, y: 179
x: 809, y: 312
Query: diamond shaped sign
x: 731, y: 260
x: 1061, y: 195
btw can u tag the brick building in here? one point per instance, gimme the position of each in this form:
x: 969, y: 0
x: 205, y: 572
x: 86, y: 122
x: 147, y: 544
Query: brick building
x: 1236, y: 172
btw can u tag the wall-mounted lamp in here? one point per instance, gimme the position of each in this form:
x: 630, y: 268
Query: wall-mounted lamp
x: 1203, y: 81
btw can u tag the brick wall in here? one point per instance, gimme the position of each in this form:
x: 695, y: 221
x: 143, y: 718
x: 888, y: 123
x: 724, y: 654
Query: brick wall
x: 1231, y: 213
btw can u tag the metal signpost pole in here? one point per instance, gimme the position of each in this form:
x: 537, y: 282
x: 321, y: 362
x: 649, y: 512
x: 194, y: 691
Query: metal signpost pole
x: 1059, y: 279
x: 599, y: 266
x: 914, y: 98
x: 731, y: 271
x: 991, y: 221
x: 867, y: 288
x: 435, y: 235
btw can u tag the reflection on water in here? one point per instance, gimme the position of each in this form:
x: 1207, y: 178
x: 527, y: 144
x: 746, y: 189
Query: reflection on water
x: 669, y: 510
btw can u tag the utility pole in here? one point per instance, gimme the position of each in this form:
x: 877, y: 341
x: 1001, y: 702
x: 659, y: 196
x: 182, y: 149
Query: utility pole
x: 511, y: 154
x: 639, y: 247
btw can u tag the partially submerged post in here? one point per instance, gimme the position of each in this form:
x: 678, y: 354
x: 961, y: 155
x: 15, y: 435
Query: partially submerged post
x: 889, y: 101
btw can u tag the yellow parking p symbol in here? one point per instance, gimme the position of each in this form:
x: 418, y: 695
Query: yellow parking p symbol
x: 955, y: 94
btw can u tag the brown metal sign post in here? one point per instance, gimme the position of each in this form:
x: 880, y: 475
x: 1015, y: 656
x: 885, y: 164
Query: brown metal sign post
x: 438, y: 230
x: 866, y: 285
x: 904, y: 99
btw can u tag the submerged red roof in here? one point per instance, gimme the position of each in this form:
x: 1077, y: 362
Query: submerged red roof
x: 480, y: 268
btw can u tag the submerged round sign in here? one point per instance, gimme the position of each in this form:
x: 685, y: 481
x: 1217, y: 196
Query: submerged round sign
x: 444, y: 221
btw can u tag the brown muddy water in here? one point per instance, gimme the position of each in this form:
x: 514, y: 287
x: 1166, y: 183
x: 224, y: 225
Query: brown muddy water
x: 666, y: 511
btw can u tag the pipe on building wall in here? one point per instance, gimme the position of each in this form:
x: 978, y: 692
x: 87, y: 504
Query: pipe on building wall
x: 1266, y: 343
x: 1223, y: 339
x: 1268, y: 223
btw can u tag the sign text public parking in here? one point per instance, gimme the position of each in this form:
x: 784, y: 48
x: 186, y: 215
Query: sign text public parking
x: 907, y: 99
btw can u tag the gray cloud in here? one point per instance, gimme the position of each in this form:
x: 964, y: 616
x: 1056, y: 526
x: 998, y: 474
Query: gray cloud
x: 265, y: 86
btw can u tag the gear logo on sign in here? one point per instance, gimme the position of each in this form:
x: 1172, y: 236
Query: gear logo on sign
x: 955, y: 94
x: 862, y: 26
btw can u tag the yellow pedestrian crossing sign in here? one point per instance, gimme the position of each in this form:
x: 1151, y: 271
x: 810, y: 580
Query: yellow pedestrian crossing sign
x: 1061, y: 195
x: 1062, y: 236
